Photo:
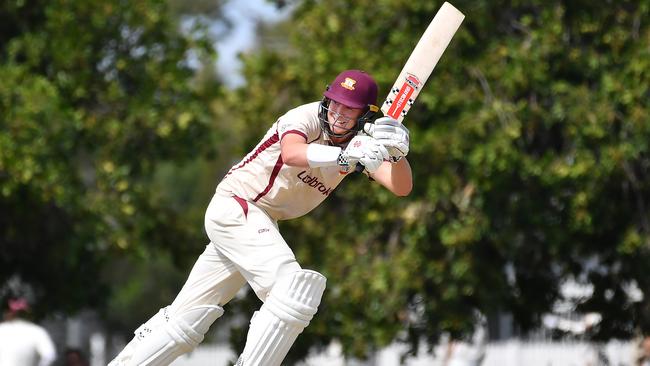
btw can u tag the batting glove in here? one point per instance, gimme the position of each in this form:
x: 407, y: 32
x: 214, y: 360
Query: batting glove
x: 391, y: 134
x: 365, y: 150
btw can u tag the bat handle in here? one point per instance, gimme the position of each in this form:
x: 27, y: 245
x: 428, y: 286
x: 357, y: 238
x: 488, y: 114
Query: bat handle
x: 359, y: 168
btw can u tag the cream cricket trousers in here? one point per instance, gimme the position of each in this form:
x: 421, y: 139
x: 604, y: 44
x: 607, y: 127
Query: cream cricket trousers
x: 245, y: 246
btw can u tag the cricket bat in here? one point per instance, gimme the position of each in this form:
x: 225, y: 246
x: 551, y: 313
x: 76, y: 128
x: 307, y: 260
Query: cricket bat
x: 420, y: 64
x: 423, y: 59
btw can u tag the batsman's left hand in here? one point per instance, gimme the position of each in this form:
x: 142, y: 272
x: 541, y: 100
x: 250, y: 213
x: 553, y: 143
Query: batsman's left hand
x: 390, y: 133
x: 367, y: 151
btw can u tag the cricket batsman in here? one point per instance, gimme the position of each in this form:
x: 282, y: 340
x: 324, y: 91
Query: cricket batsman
x: 302, y: 158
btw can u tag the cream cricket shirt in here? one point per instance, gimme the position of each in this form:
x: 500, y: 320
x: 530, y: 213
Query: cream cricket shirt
x: 283, y: 191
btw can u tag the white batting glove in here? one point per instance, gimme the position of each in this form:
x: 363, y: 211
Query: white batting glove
x: 365, y: 150
x: 392, y: 134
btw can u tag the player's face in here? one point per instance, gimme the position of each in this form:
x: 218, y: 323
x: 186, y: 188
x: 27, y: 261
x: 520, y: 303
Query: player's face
x: 342, y: 118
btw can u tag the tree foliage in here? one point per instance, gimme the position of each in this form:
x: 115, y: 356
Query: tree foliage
x: 94, y: 96
x: 529, y: 149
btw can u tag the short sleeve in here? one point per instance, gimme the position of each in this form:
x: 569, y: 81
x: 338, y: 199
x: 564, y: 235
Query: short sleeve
x: 302, y: 121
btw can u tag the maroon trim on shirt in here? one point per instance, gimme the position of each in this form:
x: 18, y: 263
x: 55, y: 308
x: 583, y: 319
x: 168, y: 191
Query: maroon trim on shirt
x: 242, y: 202
x: 263, y: 146
x: 274, y: 174
x: 294, y: 131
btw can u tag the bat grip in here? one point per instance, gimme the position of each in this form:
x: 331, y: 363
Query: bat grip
x: 359, y: 168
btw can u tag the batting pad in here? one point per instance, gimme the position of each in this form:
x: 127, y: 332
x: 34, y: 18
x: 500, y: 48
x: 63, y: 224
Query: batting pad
x: 142, y: 332
x: 289, y: 308
x: 179, y: 335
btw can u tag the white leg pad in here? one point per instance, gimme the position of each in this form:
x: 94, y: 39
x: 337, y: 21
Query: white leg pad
x: 145, y: 329
x: 289, y: 308
x: 161, y: 345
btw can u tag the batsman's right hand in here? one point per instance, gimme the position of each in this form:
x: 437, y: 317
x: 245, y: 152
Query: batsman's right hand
x: 391, y: 134
x: 367, y: 151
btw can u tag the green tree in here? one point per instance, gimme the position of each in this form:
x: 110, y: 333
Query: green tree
x: 530, y: 156
x: 95, y: 95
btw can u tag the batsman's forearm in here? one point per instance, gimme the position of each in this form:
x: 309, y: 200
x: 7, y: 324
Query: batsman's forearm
x: 300, y: 154
x: 396, y: 177
x: 401, y: 177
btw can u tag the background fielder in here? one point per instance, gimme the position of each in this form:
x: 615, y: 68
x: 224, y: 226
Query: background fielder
x: 22, y: 342
x: 301, y: 159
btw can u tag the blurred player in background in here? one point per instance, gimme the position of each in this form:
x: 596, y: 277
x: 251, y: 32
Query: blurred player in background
x: 302, y: 158
x: 74, y: 357
x: 23, y: 343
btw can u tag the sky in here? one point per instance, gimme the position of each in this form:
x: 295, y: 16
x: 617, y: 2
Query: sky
x: 243, y: 14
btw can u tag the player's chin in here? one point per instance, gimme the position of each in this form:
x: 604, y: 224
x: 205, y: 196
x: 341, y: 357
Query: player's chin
x: 341, y: 136
x: 338, y: 130
x: 342, y: 139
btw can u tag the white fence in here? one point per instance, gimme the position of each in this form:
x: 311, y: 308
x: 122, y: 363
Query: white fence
x: 514, y: 353
x: 511, y: 353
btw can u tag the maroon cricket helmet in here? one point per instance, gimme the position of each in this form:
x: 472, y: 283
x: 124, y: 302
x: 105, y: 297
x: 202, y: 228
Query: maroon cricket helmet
x: 354, y: 89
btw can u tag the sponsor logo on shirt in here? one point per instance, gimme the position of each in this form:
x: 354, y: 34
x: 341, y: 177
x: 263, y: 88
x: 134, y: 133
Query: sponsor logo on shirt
x: 314, y: 183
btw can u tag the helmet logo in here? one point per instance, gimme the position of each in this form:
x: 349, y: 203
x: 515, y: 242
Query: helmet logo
x: 348, y: 83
